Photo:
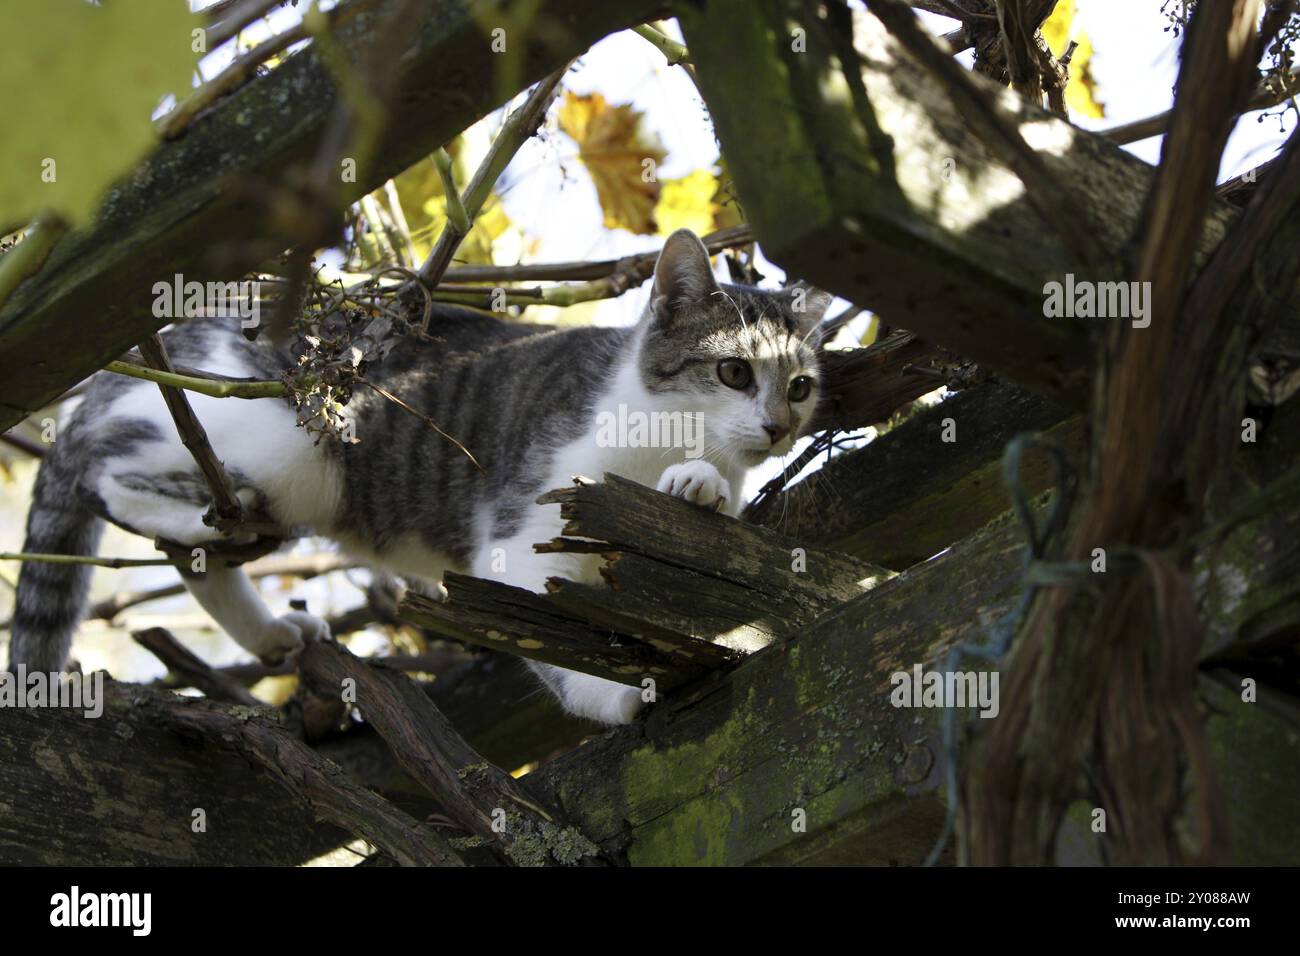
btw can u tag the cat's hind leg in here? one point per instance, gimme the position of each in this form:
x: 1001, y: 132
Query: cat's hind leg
x: 171, y: 505
x: 229, y: 597
x: 161, y: 508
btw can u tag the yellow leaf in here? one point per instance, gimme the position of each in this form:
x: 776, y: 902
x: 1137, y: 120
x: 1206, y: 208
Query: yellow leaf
x: 415, y: 187
x: 687, y: 203
x: 702, y: 201
x: 621, y: 157
x: 419, y: 191
x: 1081, y: 91
x: 476, y: 248
x: 1056, y: 29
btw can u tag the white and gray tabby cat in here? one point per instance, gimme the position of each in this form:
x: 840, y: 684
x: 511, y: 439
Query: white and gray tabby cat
x: 404, y: 499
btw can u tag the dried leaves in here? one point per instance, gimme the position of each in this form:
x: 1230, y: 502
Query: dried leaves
x: 622, y: 157
x: 333, y: 351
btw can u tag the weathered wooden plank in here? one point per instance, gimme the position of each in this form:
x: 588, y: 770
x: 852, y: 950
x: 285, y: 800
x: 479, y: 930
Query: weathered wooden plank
x: 687, y: 614
x: 1247, y: 580
x: 859, y: 174
x: 801, y: 581
x: 306, y: 779
x: 511, y: 619
x: 471, y: 790
x: 182, y: 210
x: 495, y: 702
x: 686, y: 590
x: 929, y: 482
x: 1255, y: 748
x: 120, y: 789
x: 720, y: 769
x: 866, y: 386
x: 702, y: 605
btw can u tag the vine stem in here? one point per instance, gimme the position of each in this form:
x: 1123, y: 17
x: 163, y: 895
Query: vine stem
x: 86, y: 559
x: 521, y: 125
x: 212, y: 387
x: 673, y: 51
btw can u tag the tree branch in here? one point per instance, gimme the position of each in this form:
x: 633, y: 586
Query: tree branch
x: 197, y: 205
x: 480, y: 797
x: 228, y: 510
x: 314, y: 781
x: 521, y: 125
x: 1266, y: 94
x: 1094, y: 662
x: 189, y: 670
x: 1054, y: 204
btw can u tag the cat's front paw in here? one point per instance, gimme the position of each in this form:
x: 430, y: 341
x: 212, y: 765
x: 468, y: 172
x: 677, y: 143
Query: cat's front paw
x: 286, y: 636
x: 698, y: 482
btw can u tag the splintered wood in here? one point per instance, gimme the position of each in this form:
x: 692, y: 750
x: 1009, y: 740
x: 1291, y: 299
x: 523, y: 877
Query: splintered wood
x: 685, y: 590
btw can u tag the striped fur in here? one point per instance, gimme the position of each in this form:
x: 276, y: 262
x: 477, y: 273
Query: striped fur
x: 404, y: 499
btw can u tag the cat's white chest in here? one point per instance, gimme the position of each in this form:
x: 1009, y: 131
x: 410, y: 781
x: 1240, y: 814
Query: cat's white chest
x: 629, y: 433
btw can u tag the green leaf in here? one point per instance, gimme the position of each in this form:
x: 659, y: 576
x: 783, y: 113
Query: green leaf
x: 82, y: 82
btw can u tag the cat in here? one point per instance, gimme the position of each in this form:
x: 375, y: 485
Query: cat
x: 406, y: 500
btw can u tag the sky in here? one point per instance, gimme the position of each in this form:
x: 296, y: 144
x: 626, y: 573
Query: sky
x: 547, y: 192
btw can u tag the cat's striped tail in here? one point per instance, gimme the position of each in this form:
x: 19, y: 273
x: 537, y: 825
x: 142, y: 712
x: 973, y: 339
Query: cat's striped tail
x: 52, y: 597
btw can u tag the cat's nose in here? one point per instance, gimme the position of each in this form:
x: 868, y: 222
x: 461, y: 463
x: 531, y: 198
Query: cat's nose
x: 776, y: 432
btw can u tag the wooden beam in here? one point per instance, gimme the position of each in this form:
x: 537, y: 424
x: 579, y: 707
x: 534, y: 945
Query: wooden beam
x: 719, y: 771
x: 685, y: 590
x: 927, y: 483
x: 633, y: 518
x: 121, y: 789
x: 481, y: 798
x: 509, y: 619
x: 860, y: 174
x: 866, y: 386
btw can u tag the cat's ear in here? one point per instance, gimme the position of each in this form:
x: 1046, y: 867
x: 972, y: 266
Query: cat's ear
x: 683, y: 277
x: 808, y: 305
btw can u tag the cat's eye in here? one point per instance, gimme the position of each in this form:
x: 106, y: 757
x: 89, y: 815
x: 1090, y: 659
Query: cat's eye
x: 800, y: 389
x: 735, y: 373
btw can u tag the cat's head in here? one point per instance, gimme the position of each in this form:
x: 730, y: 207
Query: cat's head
x: 744, y: 357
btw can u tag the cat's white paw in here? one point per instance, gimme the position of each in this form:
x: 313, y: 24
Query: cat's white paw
x: 601, y: 700
x: 286, y: 636
x: 698, y: 482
